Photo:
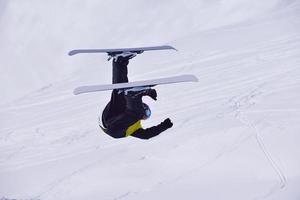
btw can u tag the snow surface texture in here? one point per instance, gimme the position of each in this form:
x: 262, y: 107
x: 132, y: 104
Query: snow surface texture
x: 236, y: 131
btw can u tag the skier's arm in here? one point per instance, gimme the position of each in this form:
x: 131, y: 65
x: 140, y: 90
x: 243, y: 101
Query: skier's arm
x: 153, y: 131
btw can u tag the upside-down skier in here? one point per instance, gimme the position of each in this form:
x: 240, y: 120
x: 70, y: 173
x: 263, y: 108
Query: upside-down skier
x: 123, y: 114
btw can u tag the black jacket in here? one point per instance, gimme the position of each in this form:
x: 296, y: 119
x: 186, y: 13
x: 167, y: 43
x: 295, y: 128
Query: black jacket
x: 118, y: 126
x: 117, y: 122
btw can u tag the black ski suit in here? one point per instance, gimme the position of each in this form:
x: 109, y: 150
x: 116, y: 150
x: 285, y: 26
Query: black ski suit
x: 121, y: 116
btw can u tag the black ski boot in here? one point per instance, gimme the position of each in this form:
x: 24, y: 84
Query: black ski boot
x: 122, y: 56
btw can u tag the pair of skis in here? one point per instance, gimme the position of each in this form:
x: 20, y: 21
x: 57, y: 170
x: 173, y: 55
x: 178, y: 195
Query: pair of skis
x: 130, y: 85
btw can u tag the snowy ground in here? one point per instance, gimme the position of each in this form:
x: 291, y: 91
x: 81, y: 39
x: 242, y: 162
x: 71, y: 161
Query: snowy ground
x: 236, y: 131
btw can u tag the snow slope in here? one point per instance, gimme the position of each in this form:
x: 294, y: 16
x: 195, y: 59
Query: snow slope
x: 235, y: 134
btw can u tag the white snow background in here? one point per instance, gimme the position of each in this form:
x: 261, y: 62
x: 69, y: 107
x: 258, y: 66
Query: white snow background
x: 236, y: 132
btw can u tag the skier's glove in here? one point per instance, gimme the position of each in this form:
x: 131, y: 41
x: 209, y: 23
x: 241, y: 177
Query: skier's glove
x: 167, y: 123
x: 152, y: 93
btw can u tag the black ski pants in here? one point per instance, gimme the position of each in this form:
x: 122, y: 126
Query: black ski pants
x: 120, y: 112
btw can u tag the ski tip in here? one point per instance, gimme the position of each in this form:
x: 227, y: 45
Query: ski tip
x: 195, y: 79
x: 76, y: 91
x: 72, y: 53
x: 171, y: 47
x: 191, y: 78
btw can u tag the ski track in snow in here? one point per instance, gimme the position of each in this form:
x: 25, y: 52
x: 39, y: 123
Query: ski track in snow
x: 238, y: 108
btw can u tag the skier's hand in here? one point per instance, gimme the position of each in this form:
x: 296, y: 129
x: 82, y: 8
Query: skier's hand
x: 152, y: 93
x: 167, y: 123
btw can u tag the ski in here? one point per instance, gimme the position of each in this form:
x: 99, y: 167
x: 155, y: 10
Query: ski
x: 120, y: 50
x: 136, y: 84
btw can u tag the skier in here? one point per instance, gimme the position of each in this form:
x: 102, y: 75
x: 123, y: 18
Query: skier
x: 123, y: 114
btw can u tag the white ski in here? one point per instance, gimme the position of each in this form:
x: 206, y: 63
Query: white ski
x: 145, y: 83
x: 120, y: 50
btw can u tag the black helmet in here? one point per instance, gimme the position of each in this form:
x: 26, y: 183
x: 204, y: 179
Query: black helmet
x: 147, y: 111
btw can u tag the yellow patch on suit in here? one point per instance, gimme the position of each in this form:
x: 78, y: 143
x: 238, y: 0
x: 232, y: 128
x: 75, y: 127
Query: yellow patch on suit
x: 134, y: 127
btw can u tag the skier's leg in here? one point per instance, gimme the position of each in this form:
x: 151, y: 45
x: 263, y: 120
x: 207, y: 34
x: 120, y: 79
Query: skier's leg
x: 117, y: 103
x: 135, y: 104
x: 120, y: 70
